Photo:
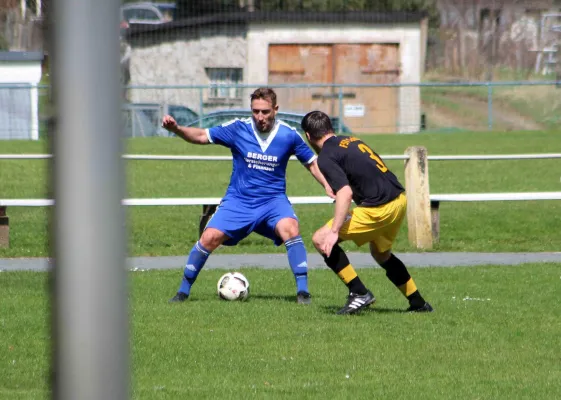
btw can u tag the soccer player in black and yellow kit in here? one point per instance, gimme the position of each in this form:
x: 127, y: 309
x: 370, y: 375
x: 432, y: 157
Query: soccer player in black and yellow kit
x: 356, y: 173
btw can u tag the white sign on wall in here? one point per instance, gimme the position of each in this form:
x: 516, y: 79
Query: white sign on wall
x: 354, y: 110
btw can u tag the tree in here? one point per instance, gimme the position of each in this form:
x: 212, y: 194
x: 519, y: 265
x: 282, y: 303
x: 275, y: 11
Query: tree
x: 195, y: 8
x: 347, y: 5
x: 192, y: 8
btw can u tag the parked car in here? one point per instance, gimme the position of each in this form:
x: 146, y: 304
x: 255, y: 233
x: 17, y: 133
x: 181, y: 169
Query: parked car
x: 293, y: 119
x: 147, y: 13
x: 183, y: 115
x: 145, y: 119
x: 139, y: 121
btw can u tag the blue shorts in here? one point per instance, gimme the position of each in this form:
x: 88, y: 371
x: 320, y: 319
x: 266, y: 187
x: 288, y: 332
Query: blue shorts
x: 237, y: 219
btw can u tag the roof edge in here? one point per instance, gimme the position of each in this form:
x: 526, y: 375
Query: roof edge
x: 282, y: 16
x: 21, y: 56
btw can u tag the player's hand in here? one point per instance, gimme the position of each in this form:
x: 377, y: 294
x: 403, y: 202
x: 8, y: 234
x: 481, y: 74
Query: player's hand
x: 330, y: 240
x: 330, y: 192
x: 169, y: 123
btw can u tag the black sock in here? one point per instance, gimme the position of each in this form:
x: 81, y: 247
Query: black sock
x: 397, y: 273
x: 416, y: 300
x: 339, y: 263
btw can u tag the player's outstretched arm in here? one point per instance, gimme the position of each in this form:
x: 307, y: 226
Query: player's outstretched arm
x: 191, y: 135
x: 316, y: 173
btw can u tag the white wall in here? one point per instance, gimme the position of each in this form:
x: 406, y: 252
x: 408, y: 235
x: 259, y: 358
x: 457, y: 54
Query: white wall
x: 20, y: 72
x: 408, y: 36
x: 29, y: 72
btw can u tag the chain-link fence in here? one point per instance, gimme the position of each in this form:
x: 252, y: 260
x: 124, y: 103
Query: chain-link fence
x: 442, y: 107
x: 462, y: 37
x: 359, y: 61
x: 19, y: 112
x: 25, y: 113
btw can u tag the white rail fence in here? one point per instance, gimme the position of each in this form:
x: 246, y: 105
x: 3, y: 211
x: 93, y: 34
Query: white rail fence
x: 229, y: 158
x: 423, y: 208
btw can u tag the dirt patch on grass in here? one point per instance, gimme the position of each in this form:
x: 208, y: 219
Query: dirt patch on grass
x: 503, y: 116
x: 471, y: 112
x: 439, y: 118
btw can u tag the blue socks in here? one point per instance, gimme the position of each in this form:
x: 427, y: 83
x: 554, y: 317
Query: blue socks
x: 298, y: 260
x: 195, y: 262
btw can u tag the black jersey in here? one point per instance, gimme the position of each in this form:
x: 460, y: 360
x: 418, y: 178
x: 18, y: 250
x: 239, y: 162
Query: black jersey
x: 345, y: 160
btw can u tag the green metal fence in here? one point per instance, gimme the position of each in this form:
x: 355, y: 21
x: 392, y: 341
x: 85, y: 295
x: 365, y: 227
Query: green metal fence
x: 358, y: 109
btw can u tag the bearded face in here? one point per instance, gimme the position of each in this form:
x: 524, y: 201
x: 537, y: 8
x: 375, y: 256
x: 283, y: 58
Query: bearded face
x: 263, y: 113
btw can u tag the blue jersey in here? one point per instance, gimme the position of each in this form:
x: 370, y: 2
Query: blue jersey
x: 259, y: 165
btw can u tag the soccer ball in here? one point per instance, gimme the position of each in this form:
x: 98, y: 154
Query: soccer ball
x: 233, y: 286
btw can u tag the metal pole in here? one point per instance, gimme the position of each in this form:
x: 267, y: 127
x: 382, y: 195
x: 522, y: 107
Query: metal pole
x: 489, y: 106
x: 201, y: 107
x: 340, y: 96
x: 90, y: 316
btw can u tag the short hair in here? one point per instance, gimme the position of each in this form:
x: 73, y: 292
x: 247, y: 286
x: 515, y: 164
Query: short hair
x: 317, y: 124
x: 265, y: 93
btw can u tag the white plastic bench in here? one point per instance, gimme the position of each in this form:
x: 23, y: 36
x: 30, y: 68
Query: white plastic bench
x: 209, y: 204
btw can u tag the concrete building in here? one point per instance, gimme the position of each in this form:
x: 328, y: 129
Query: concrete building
x: 288, y: 48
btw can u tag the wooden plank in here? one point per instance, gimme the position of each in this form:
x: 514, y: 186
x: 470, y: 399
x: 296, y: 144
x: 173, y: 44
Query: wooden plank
x: 435, y: 220
x: 370, y: 64
x: 297, y: 64
x: 285, y: 59
x: 4, y: 228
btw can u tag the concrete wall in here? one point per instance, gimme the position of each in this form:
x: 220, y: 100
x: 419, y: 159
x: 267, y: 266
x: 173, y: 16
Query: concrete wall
x: 181, y: 60
x: 408, y: 36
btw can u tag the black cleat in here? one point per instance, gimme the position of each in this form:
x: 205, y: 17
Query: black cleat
x: 179, y: 297
x: 424, y: 308
x: 356, y: 302
x: 303, y: 298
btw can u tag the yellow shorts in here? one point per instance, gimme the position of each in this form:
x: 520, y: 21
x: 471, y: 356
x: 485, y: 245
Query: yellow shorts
x: 379, y: 225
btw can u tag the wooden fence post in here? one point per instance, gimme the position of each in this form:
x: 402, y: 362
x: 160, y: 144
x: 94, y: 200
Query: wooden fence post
x: 4, y: 228
x: 435, y: 216
x: 418, y: 201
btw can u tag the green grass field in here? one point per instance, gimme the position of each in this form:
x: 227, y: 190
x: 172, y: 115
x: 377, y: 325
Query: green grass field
x: 495, y: 334
x: 491, y: 226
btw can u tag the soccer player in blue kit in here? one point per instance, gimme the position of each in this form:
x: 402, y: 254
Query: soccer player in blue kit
x: 255, y: 200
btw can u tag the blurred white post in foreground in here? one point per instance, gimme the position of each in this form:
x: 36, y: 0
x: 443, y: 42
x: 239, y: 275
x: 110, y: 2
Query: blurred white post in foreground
x: 90, y: 315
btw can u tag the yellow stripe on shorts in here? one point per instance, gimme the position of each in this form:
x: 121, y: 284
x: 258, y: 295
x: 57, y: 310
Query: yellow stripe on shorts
x: 347, y: 274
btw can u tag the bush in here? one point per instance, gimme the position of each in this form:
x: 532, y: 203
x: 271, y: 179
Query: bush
x: 4, y: 45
